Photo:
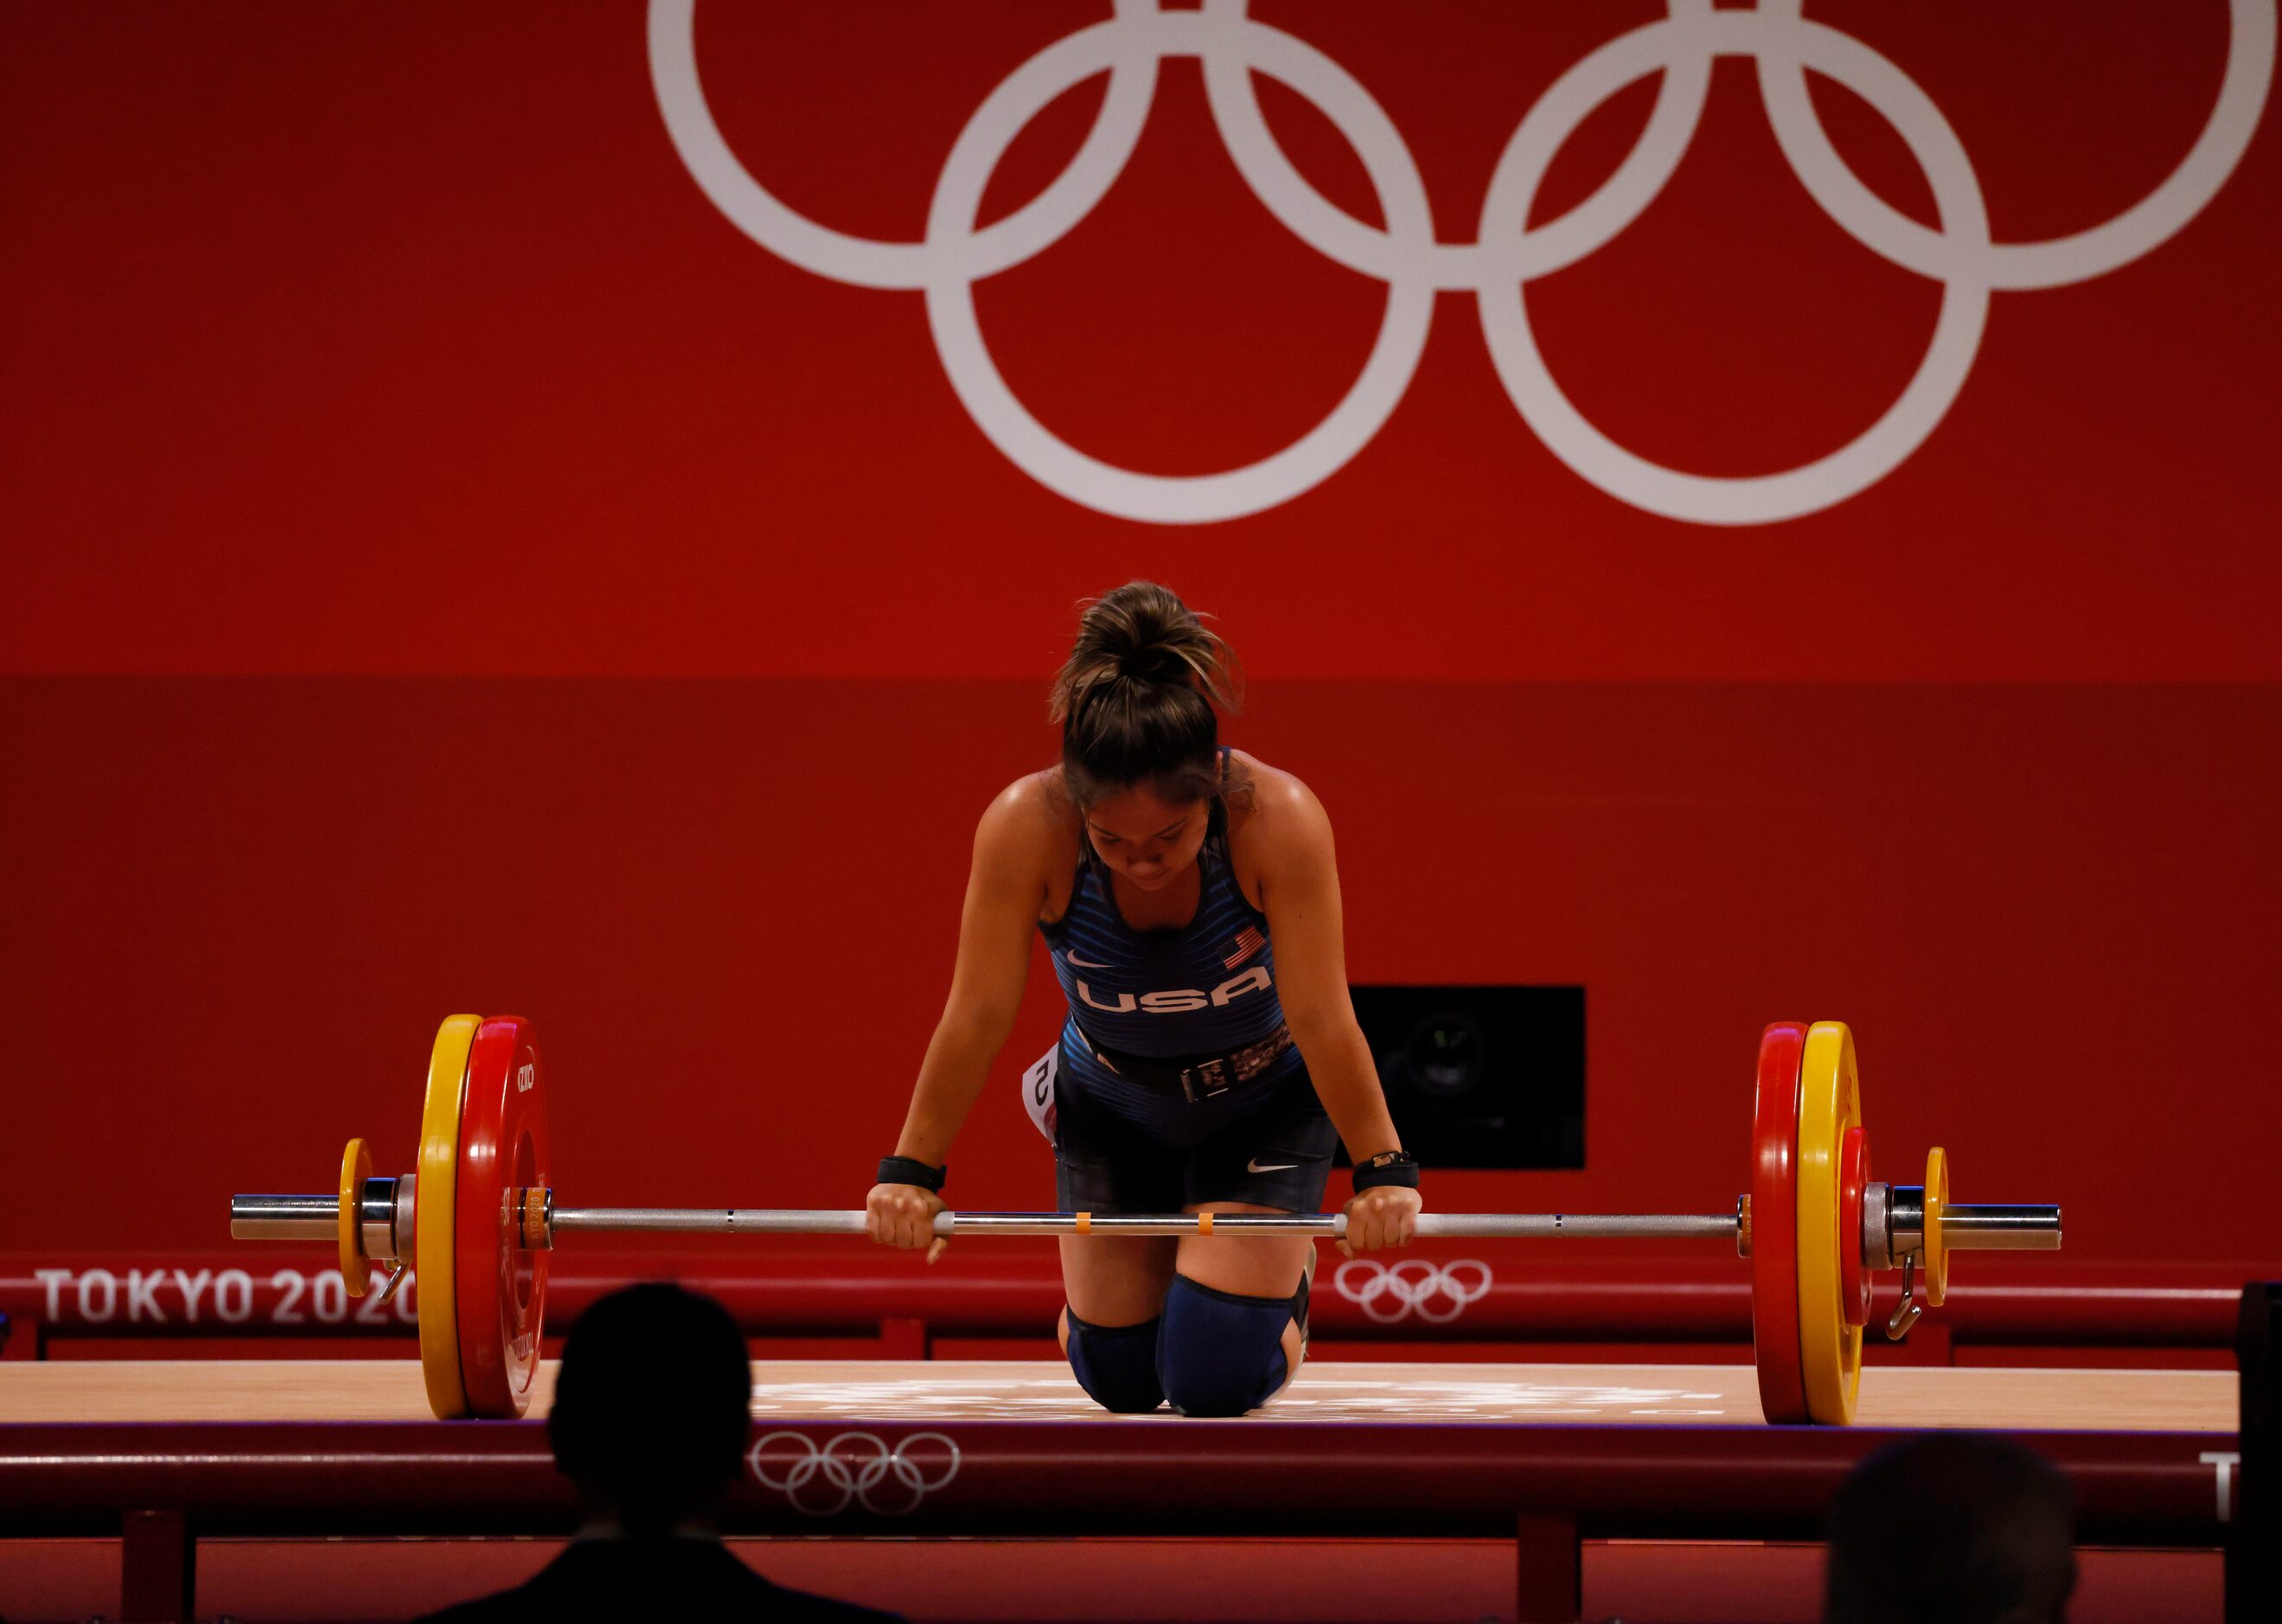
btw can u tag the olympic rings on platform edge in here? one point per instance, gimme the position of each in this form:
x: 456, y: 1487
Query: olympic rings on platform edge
x: 1677, y: 49
x: 853, y: 1480
x: 1414, y: 1284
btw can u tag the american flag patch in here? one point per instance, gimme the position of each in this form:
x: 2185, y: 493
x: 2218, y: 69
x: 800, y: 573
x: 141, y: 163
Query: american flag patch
x: 1248, y: 942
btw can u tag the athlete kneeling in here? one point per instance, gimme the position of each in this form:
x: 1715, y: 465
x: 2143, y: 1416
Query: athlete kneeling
x: 1189, y: 899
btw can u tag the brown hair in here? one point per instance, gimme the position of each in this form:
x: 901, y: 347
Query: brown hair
x: 1135, y: 697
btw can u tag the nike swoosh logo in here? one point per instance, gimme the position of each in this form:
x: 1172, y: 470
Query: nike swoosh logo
x: 1273, y: 1167
x: 1088, y: 964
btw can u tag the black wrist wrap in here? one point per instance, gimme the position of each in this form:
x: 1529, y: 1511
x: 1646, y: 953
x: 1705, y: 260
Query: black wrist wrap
x: 903, y: 1171
x: 1391, y: 1168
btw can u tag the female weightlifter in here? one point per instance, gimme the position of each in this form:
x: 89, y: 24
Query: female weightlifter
x: 1189, y: 899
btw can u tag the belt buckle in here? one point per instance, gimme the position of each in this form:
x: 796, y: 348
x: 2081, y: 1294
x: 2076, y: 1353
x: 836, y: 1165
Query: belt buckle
x: 1205, y: 1082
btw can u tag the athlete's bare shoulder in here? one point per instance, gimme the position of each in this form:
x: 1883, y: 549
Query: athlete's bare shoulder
x: 1274, y: 822
x: 1028, y: 836
x: 1272, y: 802
x: 1032, y: 814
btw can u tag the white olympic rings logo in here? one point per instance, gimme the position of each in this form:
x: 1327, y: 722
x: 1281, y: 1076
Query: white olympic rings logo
x: 1388, y: 1293
x: 1507, y: 252
x: 853, y: 1468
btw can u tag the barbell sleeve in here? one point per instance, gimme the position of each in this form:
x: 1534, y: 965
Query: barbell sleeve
x: 284, y: 1217
x: 1989, y: 1227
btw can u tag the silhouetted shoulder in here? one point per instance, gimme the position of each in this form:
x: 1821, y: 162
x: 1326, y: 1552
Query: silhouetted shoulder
x: 668, y: 1578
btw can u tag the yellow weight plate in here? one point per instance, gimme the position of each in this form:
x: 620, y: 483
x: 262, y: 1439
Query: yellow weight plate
x: 356, y: 1167
x: 1829, y: 1103
x: 432, y: 1210
x: 1937, y: 1249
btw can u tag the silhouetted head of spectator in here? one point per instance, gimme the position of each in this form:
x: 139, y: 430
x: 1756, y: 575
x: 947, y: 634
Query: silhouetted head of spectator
x: 1957, y: 1526
x: 653, y: 1408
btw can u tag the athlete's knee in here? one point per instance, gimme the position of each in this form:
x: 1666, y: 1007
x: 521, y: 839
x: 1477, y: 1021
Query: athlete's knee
x: 1117, y: 1365
x: 1219, y: 1354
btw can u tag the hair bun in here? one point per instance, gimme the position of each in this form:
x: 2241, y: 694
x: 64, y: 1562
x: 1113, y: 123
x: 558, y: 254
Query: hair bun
x: 1143, y: 633
x: 1136, y: 696
x: 1155, y: 661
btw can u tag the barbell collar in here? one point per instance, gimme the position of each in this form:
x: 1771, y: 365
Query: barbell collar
x: 1904, y: 1220
x: 1877, y: 1235
x: 376, y: 1218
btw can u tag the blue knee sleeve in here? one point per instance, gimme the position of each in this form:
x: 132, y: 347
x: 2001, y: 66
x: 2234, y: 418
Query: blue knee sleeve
x: 1219, y: 1354
x: 1117, y: 1365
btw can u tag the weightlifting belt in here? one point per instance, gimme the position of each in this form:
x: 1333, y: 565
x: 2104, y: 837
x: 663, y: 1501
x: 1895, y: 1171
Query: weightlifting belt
x: 1200, y: 1077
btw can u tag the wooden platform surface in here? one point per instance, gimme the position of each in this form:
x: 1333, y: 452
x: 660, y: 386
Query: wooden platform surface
x: 946, y: 1389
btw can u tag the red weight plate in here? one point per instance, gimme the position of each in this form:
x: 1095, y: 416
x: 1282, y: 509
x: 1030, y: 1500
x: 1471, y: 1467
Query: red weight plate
x: 1774, y: 1224
x: 1853, y: 1178
x: 500, y: 1287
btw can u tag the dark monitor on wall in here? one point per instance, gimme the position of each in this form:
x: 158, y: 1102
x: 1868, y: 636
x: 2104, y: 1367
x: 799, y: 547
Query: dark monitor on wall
x: 1481, y: 1076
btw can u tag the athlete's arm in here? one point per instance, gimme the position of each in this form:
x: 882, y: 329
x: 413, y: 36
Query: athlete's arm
x: 1299, y: 891
x: 1006, y: 891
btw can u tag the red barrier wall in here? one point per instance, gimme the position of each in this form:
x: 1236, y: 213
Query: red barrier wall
x: 731, y: 907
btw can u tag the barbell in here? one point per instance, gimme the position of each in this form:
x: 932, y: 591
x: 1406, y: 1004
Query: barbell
x: 477, y: 1218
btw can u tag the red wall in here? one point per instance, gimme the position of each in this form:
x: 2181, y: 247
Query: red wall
x: 326, y: 318
x: 448, y: 564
